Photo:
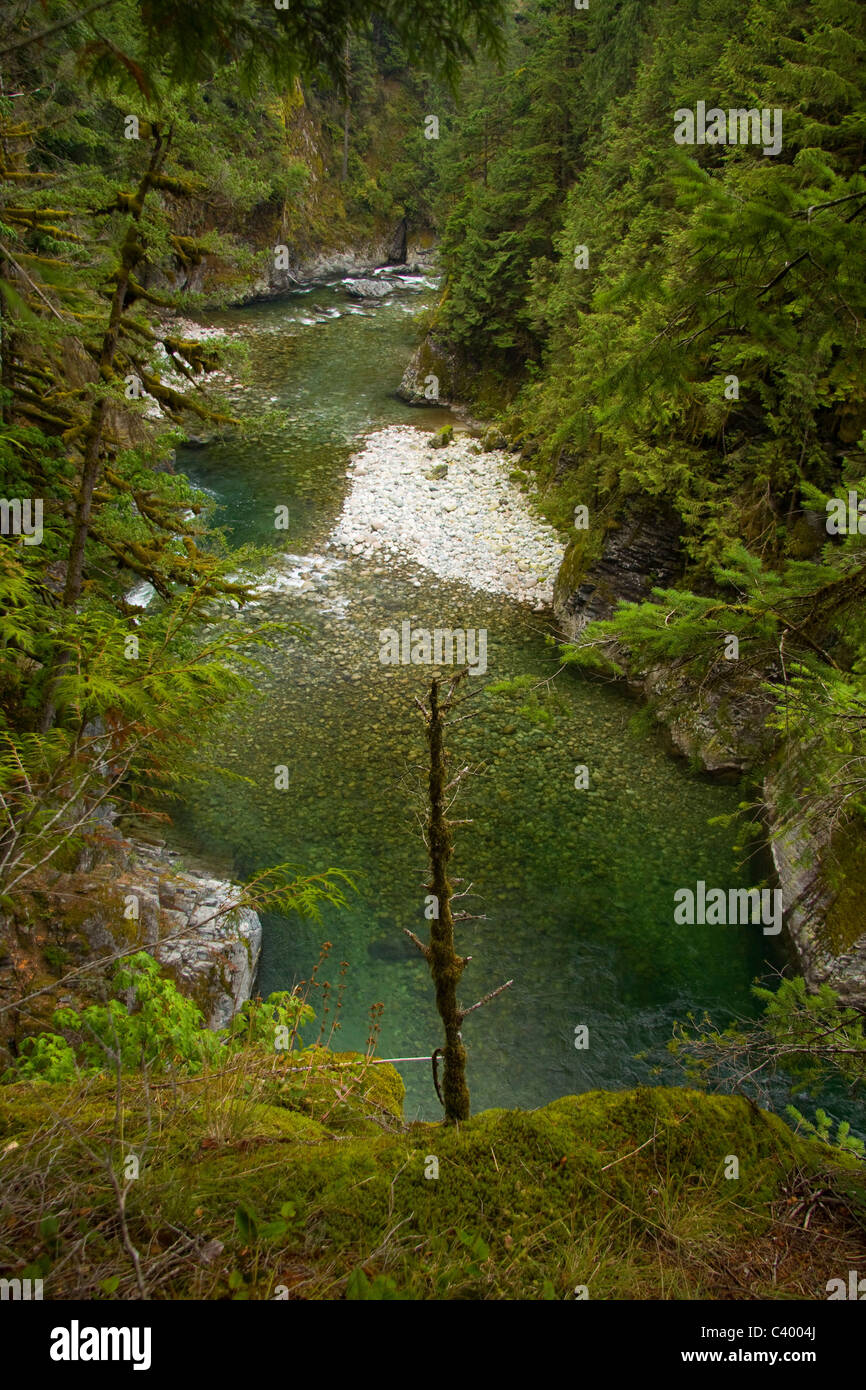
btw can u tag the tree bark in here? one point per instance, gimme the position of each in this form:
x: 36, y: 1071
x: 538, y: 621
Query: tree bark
x: 446, y: 966
x: 129, y: 258
x: 344, y: 174
x: 7, y: 354
x: 91, y: 465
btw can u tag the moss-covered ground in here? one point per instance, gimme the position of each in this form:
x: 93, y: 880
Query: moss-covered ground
x: 271, y: 1184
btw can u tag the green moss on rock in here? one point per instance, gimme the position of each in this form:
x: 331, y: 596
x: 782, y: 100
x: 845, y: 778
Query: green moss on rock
x: 624, y: 1192
x: 845, y: 922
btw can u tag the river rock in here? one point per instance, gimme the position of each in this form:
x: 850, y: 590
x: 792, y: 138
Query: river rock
x: 431, y: 375
x: 392, y: 508
x: 368, y: 289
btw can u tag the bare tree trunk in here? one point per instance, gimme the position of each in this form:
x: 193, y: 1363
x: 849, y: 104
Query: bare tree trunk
x: 446, y: 966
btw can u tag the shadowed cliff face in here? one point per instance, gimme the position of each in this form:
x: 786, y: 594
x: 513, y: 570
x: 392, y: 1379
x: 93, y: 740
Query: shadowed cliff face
x: 721, y: 724
x: 641, y: 551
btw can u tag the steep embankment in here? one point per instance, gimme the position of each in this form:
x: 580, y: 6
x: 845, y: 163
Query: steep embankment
x: 121, y: 894
x: 668, y: 320
x: 723, y: 724
x: 643, y: 1194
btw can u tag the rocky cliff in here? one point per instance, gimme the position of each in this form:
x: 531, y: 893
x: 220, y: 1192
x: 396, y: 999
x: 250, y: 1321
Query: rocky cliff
x: 357, y: 259
x: 432, y: 374
x: 721, y: 724
x: 123, y: 893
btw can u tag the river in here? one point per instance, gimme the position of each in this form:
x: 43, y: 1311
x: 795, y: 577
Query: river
x: 576, y: 886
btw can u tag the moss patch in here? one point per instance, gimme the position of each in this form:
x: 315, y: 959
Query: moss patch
x: 581, y: 553
x: 240, y: 1197
x: 845, y: 922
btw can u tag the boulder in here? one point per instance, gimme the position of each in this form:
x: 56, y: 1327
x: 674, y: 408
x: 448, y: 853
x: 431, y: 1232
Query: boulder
x: 368, y: 289
x: 819, y: 874
x: 430, y: 376
x: 125, y: 892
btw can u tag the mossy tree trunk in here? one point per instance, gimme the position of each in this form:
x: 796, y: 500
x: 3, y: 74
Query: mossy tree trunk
x: 131, y: 253
x: 7, y: 352
x: 446, y: 966
x: 344, y: 172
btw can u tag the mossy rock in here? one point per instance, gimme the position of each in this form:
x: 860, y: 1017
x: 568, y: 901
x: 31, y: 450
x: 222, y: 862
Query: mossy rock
x: 493, y: 438
x: 431, y: 374
x: 845, y: 922
x: 442, y: 437
x: 580, y: 555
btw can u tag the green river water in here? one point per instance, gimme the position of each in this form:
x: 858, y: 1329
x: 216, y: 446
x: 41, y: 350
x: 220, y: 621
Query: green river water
x: 576, y: 886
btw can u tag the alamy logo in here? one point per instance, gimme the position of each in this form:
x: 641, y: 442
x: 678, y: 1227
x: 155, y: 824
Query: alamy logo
x: 846, y: 518
x: 735, y: 127
x: 856, y: 1288
x: 75, y: 1343
x: 737, y: 907
x: 443, y: 647
x: 22, y: 516
x: 20, y: 1289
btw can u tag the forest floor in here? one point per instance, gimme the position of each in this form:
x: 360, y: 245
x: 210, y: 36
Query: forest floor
x: 255, y: 1185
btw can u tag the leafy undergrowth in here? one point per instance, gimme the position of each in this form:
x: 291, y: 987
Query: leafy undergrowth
x: 252, y: 1185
